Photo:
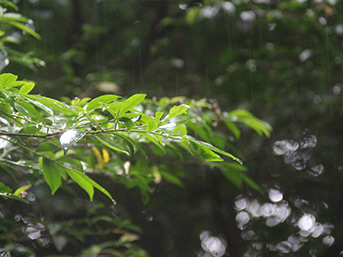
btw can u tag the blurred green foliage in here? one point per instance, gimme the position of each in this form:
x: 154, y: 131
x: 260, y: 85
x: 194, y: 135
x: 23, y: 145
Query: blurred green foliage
x: 278, y: 60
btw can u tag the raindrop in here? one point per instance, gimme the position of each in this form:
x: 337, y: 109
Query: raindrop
x: 284, y: 146
x: 31, y: 197
x: 339, y: 29
x: 336, y: 89
x: 284, y: 247
x: 248, y: 16
x: 305, y: 55
x: 317, y: 170
x: 271, y: 26
x: 209, y: 12
x: 318, y: 230
x: 254, y: 208
x: 272, y: 222
x: 267, y: 209
x: 317, y: 99
x: 306, y: 222
x: 3, y: 143
x: 301, y: 203
x: 17, y: 217
x: 309, y: 142
x: 295, y: 242
x: 257, y: 246
x: 341, y: 253
x: 248, y: 235
x: 275, y: 195
x: 322, y: 21
x: 204, y: 235
x: 242, y: 218
x: 229, y: 7
x: 183, y: 6
x: 33, y: 233
x: 282, y: 212
x: 328, y: 228
x: 241, y: 203
x: 328, y: 240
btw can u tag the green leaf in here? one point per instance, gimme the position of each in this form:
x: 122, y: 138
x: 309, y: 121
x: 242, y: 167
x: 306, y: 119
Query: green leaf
x: 213, y: 148
x: 152, y: 125
x: 81, y: 179
x: 24, y: 28
x: 171, y: 178
x: 51, y: 173
x: 177, y: 110
x: 27, y: 110
x: 233, y: 128
x: 9, y: 3
x: 158, y: 115
x: 203, y: 152
x: 131, y: 102
x: 6, y: 79
x: 21, y: 189
x: 100, y: 101
x: 110, y: 142
x: 70, y: 137
x: 87, y: 183
x: 12, y: 196
x: 52, y: 103
x: 41, y: 106
x: 4, y: 188
x: 26, y: 88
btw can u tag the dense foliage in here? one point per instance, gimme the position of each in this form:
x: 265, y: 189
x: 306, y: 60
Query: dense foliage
x: 279, y: 60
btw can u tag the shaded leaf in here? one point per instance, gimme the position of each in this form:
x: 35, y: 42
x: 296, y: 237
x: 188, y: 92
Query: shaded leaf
x: 213, y: 148
x: 51, y: 173
x: 110, y: 142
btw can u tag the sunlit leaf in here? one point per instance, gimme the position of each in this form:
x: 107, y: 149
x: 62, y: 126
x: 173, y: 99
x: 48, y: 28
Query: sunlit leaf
x: 131, y: 102
x: 100, y: 101
x: 6, y: 79
x: 53, y: 104
x: 26, y: 88
x: 152, y: 125
x: 177, y: 110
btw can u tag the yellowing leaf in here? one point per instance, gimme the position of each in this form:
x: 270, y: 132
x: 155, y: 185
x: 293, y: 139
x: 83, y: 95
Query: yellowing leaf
x: 21, y: 189
x: 105, y: 155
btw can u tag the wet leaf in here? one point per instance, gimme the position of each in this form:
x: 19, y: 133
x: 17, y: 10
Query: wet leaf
x: 80, y: 178
x: 51, y: 173
x: 100, y: 101
x: 131, y: 102
x: 177, y: 110
x: 53, y: 104
x: 70, y: 137
x: 110, y: 142
x: 213, y: 148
